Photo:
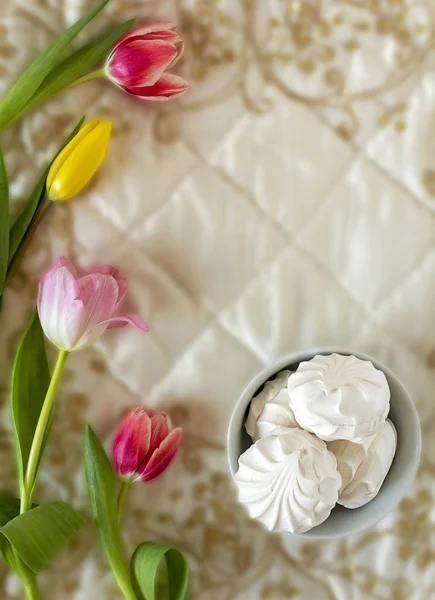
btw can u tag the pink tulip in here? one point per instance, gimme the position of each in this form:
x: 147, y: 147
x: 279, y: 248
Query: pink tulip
x: 139, y: 61
x: 145, y: 445
x: 75, y: 311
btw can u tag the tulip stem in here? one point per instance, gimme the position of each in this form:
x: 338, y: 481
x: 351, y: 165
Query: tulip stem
x: 32, y: 591
x: 97, y: 74
x: 28, y: 578
x: 121, y: 497
x: 41, y: 433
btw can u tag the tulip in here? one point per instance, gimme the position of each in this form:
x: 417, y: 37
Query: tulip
x: 145, y: 445
x: 78, y: 162
x: 139, y: 61
x: 76, y: 310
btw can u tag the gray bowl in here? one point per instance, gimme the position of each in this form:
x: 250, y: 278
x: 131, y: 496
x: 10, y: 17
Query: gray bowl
x: 344, y: 521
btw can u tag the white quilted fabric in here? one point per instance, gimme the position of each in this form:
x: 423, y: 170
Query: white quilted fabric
x: 287, y: 202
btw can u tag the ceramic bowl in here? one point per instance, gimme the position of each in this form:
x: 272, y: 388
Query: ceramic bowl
x: 344, y: 521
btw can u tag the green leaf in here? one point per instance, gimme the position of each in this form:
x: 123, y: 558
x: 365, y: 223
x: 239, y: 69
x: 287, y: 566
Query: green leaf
x: 145, y: 564
x: 8, y: 553
x: 30, y: 381
x: 78, y: 64
x: 39, y: 534
x: 9, y: 508
x: 28, y: 219
x: 34, y: 75
x: 4, y: 221
x: 102, y: 490
x: 22, y: 224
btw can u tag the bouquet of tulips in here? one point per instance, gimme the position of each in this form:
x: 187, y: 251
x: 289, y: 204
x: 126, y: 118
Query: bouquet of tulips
x: 73, y: 311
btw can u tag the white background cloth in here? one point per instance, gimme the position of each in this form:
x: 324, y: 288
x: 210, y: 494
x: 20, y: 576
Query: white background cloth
x: 287, y: 202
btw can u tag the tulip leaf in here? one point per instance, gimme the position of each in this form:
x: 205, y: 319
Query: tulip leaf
x: 30, y: 210
x: 24, y: 219
x: 4, y: 221
x: 34, y: 75
x: 29, y: 385
x: 145, y: 566
x: 78, y: 64
x: 102, y: 490
x: 39, y: 534
x: 11, y: 558
x: 8, y: 553
x: 9, y: 508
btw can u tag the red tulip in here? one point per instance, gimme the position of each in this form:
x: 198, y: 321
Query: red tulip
x: 145, y: 445
x: 140, y: 59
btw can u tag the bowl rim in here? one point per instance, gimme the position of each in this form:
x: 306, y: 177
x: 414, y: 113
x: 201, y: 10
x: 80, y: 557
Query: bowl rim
x: 297, y: 357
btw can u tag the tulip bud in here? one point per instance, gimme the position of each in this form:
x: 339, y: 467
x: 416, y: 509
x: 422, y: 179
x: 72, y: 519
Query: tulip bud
x: 140, y: 59
x: 145, y: 445
x: 79, y: 160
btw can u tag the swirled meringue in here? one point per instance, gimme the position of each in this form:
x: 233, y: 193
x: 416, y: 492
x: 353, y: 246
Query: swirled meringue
x: 349, y: 457
x: 270, y: 408
x: 339, y: 397
x: 288, y: 480
x: 374, y: 458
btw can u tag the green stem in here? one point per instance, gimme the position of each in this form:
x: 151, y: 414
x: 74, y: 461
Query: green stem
x: 122, y: 580
x: 121, y: 497
x: 28, y: 578
x: 41, y: 432
x: 97, y: 74
x: 125, y: 587
x: 31, y: 589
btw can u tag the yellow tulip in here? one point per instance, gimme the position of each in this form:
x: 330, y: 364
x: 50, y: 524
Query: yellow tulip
x: 79, y: 160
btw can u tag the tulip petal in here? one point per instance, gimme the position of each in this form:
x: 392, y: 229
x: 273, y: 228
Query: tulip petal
x: 162, y: 30
x: 167, y: 36
x: 159, y: 430
x: 132, y: 442
x: 62, y: 157
x: 140, y: 62
x: 150, y: 411
x: 120, y: 280
x: 82, y: 162
x: 163, y: 456
x: 60, y: 309
x: 93, y: 335
x: 180, y: 51
x: 168, y: 86
x: 127, y: 319
x: 99, y: 294
x: 64, y: 262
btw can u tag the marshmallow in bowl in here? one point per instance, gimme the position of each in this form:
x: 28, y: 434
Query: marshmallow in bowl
x: 339, y: 397
x: 372, y: 460
x: 288, y: 480
x: 270, y: 408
